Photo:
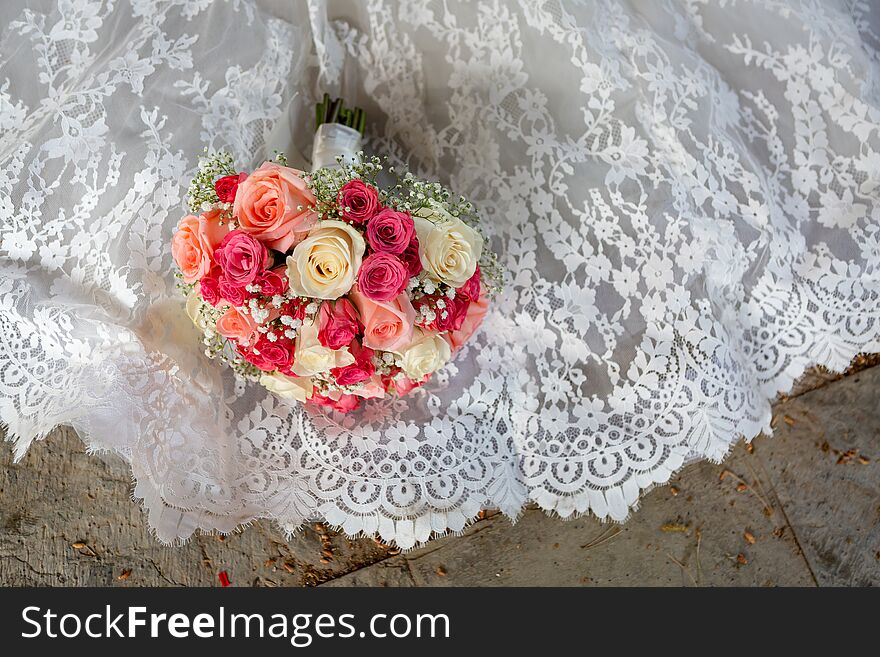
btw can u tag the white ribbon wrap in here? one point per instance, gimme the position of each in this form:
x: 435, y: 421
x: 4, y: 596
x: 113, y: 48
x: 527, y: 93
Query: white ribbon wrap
x: 333, y: 140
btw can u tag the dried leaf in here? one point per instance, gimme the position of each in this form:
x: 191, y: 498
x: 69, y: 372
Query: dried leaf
x: 741, y: 559
x: 441, y: 571
x: 741, y: 487
x: 788, y: 420
x: 750, y: 538
x: 674, y: 491
x: 78, y: 545
x: 289, y: 567
x: 124, y: 575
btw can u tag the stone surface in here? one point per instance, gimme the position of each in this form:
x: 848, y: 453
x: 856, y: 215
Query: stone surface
x: 67, y: 519
x: 824, y: 465
x: 800, y: 508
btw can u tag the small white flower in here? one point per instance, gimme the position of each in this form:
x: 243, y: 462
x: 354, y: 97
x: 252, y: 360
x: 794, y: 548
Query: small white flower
x: 271, y: 337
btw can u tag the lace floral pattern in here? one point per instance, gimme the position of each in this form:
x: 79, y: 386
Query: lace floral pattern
x: 686, y: 196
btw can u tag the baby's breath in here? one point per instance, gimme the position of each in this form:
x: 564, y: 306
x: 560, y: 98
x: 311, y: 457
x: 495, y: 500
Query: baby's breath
x: 201, y: 194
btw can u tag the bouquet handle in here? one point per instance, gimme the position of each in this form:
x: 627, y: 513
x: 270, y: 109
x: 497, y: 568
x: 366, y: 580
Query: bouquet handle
x: 333, y: 140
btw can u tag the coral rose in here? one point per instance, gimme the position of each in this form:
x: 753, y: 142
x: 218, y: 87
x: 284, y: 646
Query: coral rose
x: 388, y: 325
x: 275, y: 205
x: 194, y: 242
x: 235, y: 325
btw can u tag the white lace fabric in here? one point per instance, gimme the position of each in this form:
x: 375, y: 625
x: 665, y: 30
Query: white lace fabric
x: 685, y: 193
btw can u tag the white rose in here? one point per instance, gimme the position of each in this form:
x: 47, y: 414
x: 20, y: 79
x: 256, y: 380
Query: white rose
x: 427, y: 353
x: 325, y: 264
x: 448, y: 248
x: 300, y: 388
x: 194, y: 306
x: 311, y: 357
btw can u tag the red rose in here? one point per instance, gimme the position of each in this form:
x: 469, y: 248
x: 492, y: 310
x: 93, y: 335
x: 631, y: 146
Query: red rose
x: 382, y: 277
x: 455, y: 310
x: 337, y: 323
x: 272, y: 281
x: 295, y: 308
x: 227, y: 186
x: 411, y: 258
x: 255, y: 358
x: 344, y: 404
x: 358, y: 201
x: 279, y: 353
x: 390, y: 231
x: 209, y: 287
x: 360, y: 370
x: 471, y: 287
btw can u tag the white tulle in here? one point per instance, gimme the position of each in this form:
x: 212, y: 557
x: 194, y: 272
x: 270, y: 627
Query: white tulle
x: 686, y: 195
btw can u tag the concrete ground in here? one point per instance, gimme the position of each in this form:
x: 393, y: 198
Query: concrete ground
x: 800, y: 508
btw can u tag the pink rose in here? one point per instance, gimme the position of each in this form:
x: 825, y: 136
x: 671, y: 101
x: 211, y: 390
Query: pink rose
x: 343, y: 404
x: 358, y: 201
x: 388, y: 325
x: 234, y: 294
x: 382, y: 277
x: 359, y: 371
x: 410, y: 257
x: 275, y: 205
x: 337, y: 323
x: 194, y: 242
x: 390, y: 231
x: 474, y: 317
x: 273, y: 281
x: 227, y: 186
x: 402, y: 385
x: 209, y: 287
x: 241, y: 258
x: 471, y: 287
x: 237, y: 326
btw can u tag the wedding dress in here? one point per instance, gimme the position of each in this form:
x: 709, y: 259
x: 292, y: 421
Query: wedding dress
x: 685, y: 195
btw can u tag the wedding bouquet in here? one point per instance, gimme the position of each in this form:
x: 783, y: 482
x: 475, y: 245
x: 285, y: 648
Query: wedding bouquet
x: 329, y: 287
